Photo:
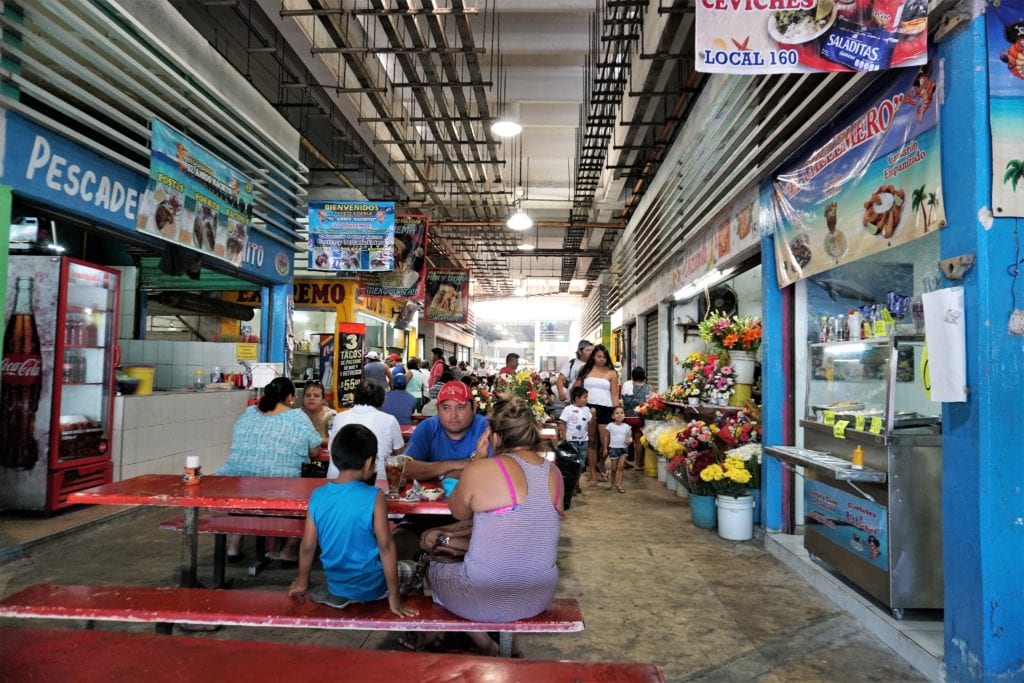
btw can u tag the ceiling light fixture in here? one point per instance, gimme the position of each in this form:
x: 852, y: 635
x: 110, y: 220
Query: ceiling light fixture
x: 526, y: 247
x: 519, y: 291
x: 506, y: 128
x: 519, y: 221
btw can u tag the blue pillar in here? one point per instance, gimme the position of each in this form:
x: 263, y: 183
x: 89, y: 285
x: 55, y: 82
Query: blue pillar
x: 274, y: 320
x: 983, y: 466
x: 776, y: 390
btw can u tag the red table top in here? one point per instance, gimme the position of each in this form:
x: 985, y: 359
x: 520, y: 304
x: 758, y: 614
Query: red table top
x: 87, y: 656
x: 229, y: 493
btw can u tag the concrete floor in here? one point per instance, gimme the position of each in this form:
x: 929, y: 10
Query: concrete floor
x: 653, y: 588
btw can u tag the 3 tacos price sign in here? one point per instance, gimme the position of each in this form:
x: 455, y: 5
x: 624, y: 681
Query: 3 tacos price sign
x: 787, y: 36
x: 447, y: 296
x: 873, y: 184
x: 194, y: 199
x: 351, y: 236
x: 1005, y: 25
x: 348, y: 358
x: 408, y: 278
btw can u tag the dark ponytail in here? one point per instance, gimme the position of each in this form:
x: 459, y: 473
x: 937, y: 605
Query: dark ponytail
x: 279, y: 389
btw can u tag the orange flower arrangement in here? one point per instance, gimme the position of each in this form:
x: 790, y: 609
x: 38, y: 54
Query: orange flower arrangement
x: 736, y: 333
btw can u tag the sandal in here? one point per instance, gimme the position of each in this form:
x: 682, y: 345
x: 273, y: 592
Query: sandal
x: 417, y: 641
x: 592, y: 484
x: 602, y: 476
x: 620, y: 489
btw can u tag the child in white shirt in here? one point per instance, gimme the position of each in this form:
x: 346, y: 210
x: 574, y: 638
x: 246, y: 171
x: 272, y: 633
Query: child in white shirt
x: 574, y: 422
x: 620, y: 436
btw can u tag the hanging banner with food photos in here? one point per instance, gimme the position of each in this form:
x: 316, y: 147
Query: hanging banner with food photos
x: 407, y: 279
x: 351, y: 236
x: 1005, y: 24
x: 447, y: 296
x: 194, y: 199
x: 872, y: 183
x: 799, y: 36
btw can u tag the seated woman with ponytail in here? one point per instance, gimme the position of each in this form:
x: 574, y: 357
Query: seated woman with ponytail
x: 271, y: 440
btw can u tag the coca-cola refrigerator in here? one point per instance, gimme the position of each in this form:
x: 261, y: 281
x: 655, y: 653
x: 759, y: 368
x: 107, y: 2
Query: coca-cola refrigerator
x: 57, y: 386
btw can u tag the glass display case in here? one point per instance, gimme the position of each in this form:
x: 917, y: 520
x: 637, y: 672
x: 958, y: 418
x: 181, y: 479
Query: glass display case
x: 872, y: 460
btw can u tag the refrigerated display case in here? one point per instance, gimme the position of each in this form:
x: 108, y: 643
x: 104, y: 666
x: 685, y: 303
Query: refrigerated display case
x: 57, y: 420
x: 880, y: 524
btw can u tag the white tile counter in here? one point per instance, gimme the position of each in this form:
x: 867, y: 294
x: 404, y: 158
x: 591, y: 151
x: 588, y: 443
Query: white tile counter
x: 153, y: 434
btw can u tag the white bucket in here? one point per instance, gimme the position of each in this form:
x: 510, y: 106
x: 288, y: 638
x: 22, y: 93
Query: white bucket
x: 742, y: 363
x: 681, y: 491
x: 671, y: 482
x: 662, y: 468
x: 735, y: 517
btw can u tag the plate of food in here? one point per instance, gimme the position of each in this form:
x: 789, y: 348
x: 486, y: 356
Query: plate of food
x: 796, y: 26
x: 431, y: 493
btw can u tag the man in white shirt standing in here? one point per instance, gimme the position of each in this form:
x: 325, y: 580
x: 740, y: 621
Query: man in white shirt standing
x: 567, y: 375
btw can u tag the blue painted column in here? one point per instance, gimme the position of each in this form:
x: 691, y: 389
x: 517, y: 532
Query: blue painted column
x: 983, y: 456
x: 776, y: 380
x: 273, y: 321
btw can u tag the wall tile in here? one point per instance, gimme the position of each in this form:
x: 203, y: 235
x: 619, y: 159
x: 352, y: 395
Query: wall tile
x: 195, y: 353
x: 166, y: 354
x: 180, y: 377
x: 180, y: 353
x: 129, y: 447
x: 150, y: 351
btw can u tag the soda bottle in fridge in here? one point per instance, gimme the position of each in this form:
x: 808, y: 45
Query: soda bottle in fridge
x: 21, y: 383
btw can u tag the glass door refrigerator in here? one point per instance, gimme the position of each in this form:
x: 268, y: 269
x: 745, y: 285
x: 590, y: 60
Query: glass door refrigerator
x: 57, y: 387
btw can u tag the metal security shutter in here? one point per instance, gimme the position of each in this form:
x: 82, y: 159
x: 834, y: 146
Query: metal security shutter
x: 651, y: 347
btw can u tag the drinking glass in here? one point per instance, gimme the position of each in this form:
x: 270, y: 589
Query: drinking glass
x: 394, y: 468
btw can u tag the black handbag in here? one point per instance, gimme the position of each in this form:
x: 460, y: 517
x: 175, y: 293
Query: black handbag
x: 314, y: 470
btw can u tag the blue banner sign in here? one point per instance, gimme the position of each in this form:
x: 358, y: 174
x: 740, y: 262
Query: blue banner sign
x: 46, y: 167
x: 351, y: 236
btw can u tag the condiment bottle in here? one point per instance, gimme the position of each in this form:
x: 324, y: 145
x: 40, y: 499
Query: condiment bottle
x: 199, y: 380
x: 858, y: 458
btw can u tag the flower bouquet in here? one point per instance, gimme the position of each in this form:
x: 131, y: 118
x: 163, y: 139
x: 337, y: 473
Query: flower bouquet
x: 525, y: 385
x: 730, y: 478
x: 750, y: 454
x: 699, y: 452
x: 483, y: 398
x: 739, y: 429
x: 735, y: 333
x: 654, y: 408
x: 720, y: 385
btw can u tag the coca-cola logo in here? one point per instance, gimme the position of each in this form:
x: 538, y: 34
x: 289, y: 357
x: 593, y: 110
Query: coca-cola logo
x: 21, y: 368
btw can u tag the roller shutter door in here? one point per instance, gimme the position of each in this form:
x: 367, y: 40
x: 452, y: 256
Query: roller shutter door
x: 651, y: 347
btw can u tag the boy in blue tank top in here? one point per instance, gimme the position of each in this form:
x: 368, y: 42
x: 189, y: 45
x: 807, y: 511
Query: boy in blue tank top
x: 348, y: 517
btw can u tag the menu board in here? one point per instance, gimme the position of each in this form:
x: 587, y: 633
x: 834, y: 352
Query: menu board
x: 351, y: 236
x: 349, y: 359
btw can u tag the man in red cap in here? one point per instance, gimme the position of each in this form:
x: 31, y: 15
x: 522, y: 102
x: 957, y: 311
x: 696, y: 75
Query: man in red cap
x: 394, y: 362
x: 445, y: 443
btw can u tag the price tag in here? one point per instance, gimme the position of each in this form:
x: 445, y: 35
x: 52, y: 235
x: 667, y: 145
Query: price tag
x: 876, y: 425
x: 858, y: 423
x: 879, y: 329
x: 828, y: 417
x: 839, y: 429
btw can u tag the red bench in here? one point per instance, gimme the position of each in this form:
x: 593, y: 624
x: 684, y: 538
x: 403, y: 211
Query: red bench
x: 260, y: 526
x: 35, y: 654
x: 167, y: 606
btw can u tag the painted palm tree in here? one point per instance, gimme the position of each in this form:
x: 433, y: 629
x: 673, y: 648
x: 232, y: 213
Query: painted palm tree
x: 917, y: 202
x: 933, y: 201
x: 1014, y: 173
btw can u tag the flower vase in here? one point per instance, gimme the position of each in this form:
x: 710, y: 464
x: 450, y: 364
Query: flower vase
x: 693, y: 400
x: 681, y: 490
x: 740, y: 395
x: 702, y: 511
x: 662, y: 468
x: 650, y: 462
x: 671, y: 483
x: 722, y: 400
x: 742, y: 363
x: 735, y: 517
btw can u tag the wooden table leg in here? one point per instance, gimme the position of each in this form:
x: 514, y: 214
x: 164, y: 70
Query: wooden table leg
x: 190, y: 549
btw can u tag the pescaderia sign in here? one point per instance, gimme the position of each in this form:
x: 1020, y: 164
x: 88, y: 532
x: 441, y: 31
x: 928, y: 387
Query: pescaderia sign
x: 874, y: 184
x: 799, y: 36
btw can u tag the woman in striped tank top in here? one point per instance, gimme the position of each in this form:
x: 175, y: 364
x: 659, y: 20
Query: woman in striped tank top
x: 514, y: 499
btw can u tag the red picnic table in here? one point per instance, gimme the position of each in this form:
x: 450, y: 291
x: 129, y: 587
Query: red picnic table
x: 280, y: 494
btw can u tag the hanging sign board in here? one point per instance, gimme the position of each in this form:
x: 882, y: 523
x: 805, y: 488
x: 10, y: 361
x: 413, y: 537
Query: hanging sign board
x: 348, y: 355
x: 194, y: 199
x: 1005, y: 25
x: 872, y: 184
x: 799, y: 36
x: 351, y: 236
x: 407, y: 280
x: 721, y: 243
x: 447, y: 296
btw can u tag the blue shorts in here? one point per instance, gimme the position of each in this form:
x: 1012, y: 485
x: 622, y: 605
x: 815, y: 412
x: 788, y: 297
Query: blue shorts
x: 615, y: 453
x: 581, y: 451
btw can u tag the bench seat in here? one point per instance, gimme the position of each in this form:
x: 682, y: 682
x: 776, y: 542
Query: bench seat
x: 247, y: 525
x: 101, y: 656
x: 165, y: 606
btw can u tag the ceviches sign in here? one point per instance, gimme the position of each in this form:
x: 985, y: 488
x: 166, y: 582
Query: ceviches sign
x: 800, y: 36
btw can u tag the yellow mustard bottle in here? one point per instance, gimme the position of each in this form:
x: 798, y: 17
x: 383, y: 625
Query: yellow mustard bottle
x: 858, y: 458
